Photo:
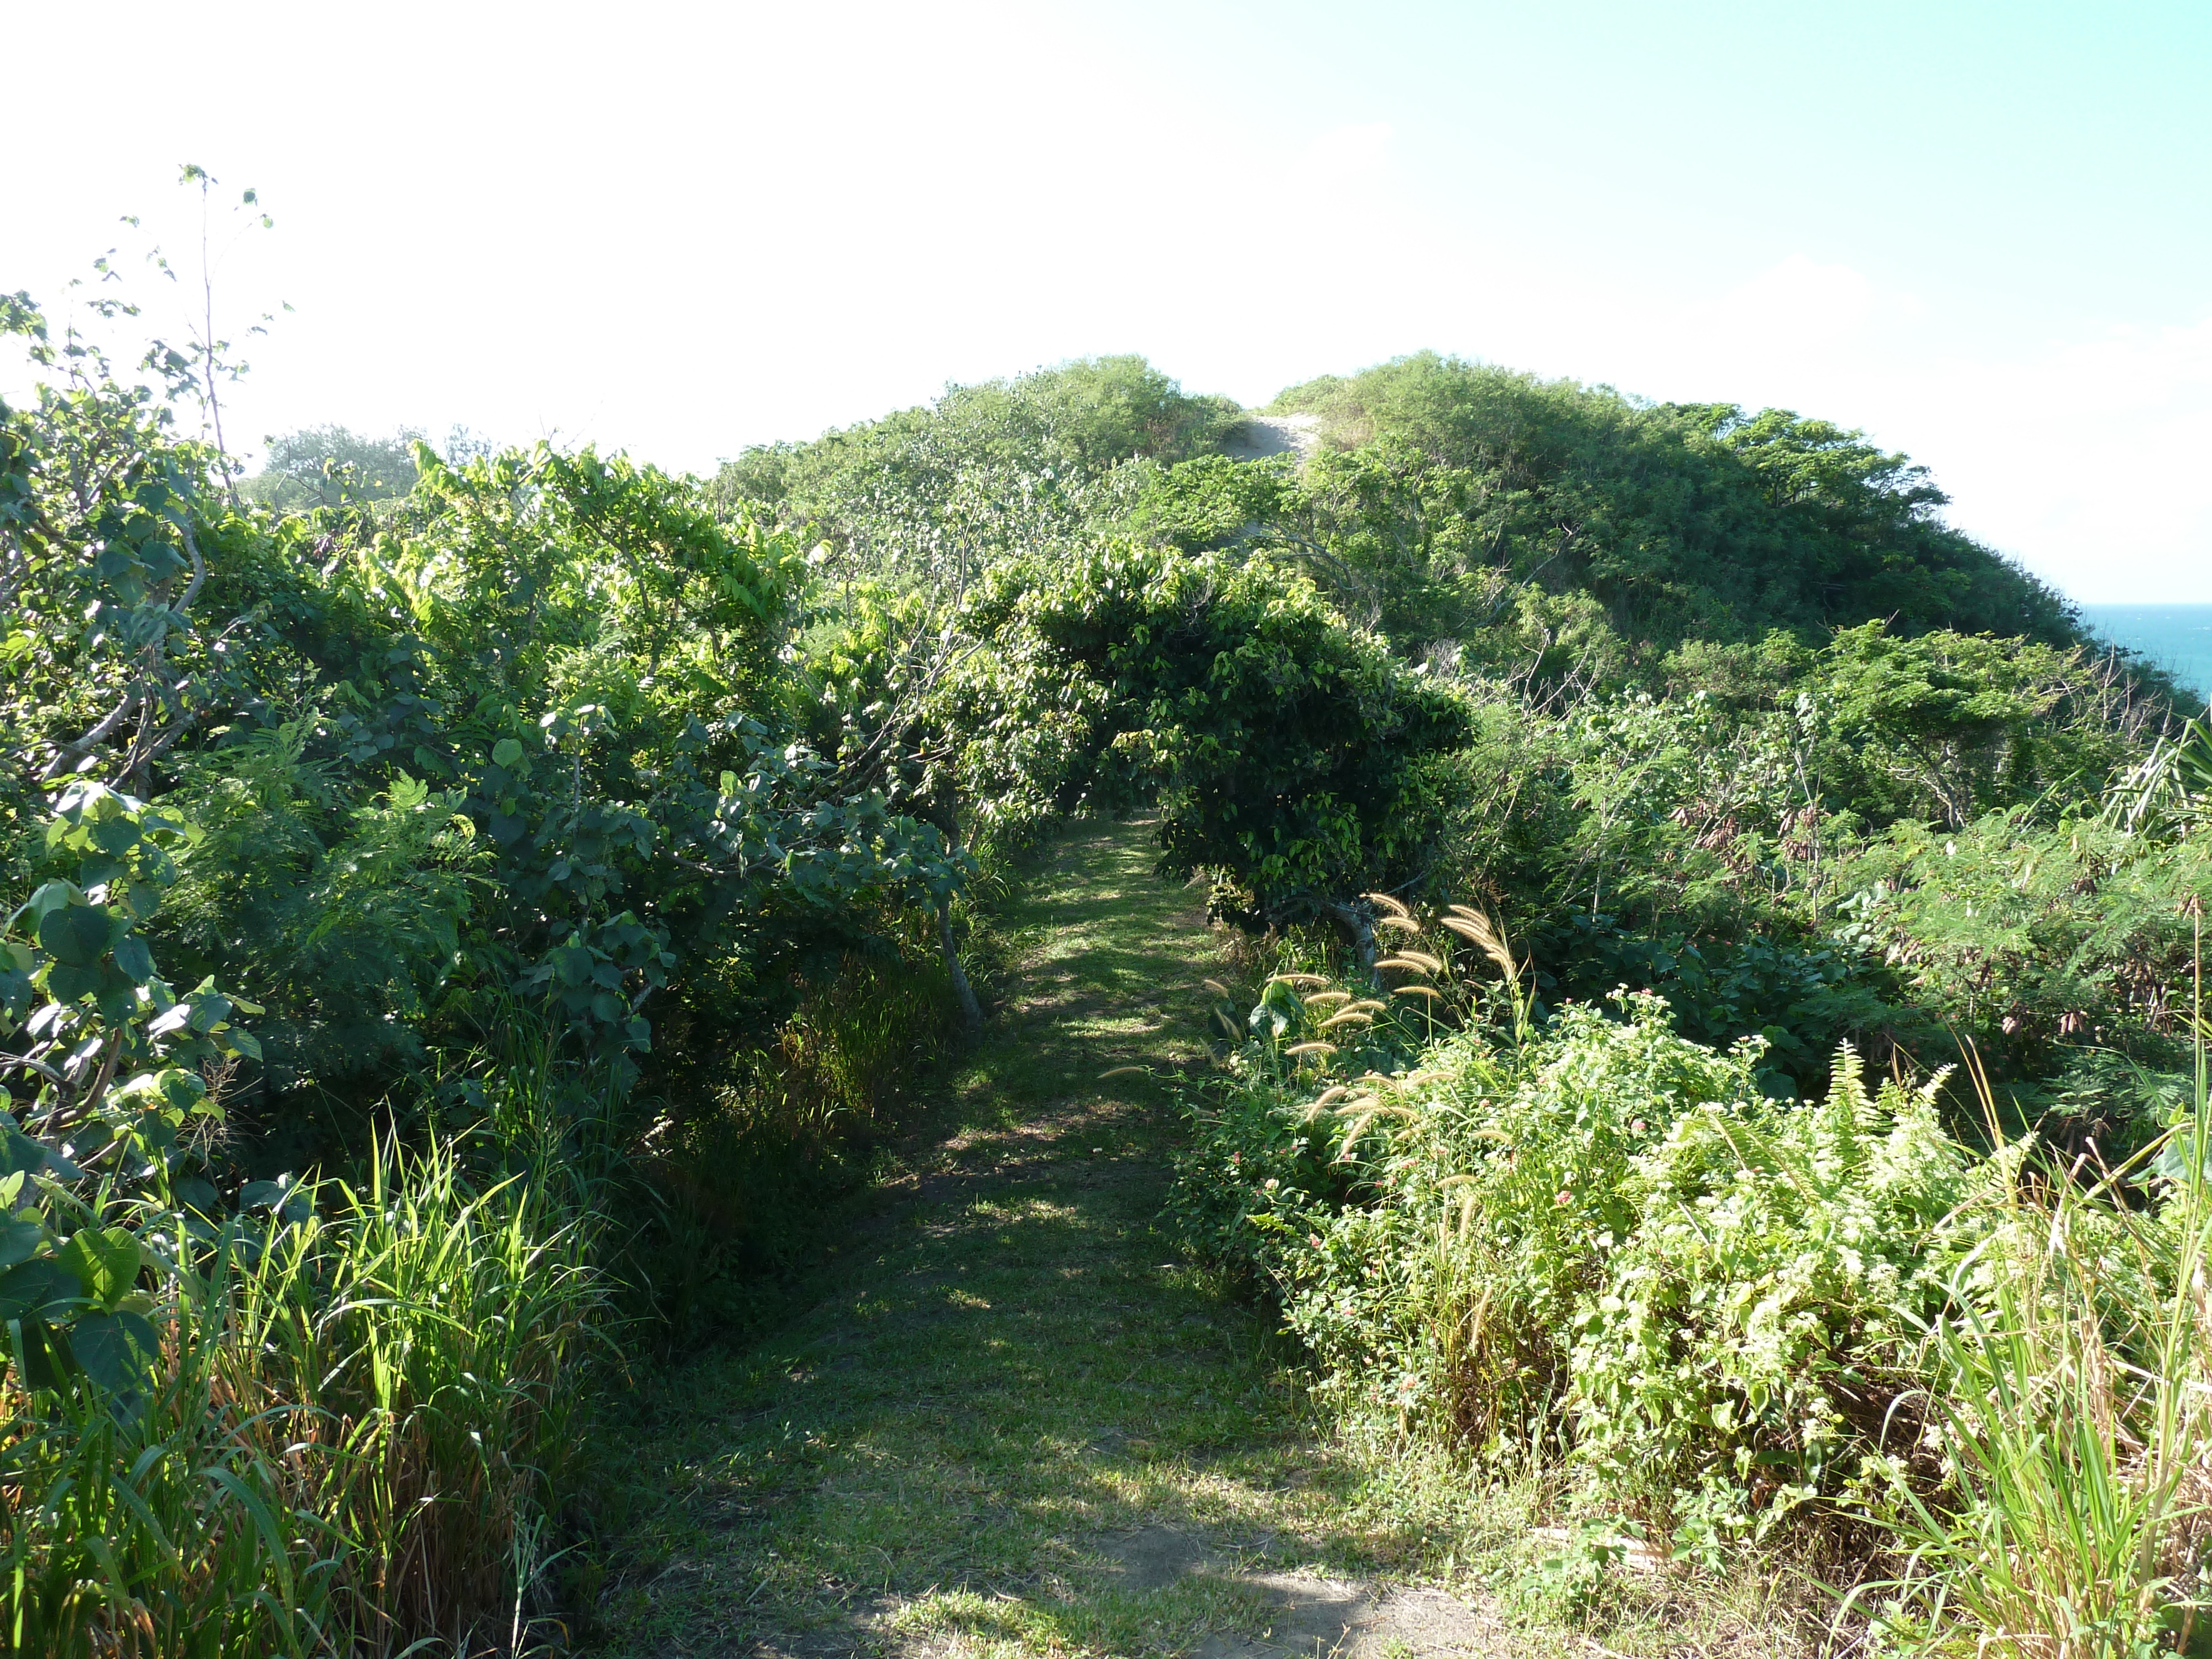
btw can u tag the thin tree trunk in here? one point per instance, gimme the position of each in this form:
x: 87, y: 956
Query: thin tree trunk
x: 971, y: 1011
x: 1358, y: 923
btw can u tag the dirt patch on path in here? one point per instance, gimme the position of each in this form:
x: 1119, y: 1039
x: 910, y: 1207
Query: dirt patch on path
x: 1263, y: 435
x: 1310, y: 1614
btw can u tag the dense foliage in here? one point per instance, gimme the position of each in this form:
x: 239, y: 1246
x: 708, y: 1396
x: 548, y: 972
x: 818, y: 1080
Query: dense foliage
x: 1290, y: 757
x: 353, y: 814
x: 1602, y: 1237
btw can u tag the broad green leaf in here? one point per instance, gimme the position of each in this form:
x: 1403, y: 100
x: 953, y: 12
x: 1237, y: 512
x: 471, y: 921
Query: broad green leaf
x: 78, y: 936
x: 116, y: 836
x: 47, y: 1362
x: 66, y: 984
x: 116, y: 1350
x: 106, y: 1261
x: 19, y: 1239
x: 506, y: 752
x: 32, y: 1288
x: 134, y: 959
x: 18, y: 1153
x: 53, y: 896
x: 96, y: 869
x: 15, y: 994
x: 180, y: 1089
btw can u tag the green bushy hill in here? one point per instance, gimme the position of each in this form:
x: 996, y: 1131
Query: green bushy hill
x: 1441, y: 491
x: 1685, y: 520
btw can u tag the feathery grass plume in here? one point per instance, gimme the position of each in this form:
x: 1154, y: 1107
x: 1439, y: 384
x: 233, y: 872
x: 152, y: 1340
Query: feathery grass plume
x: 1369, y: 1004
x: 1361, y: 1105
x: 1415, y: 1079
x: 1362, y: 1121
x: 1397, y: 1113
x: 1327, y: 999
x: 1403, y: 962
x: 1433, y: 965
x: 1125, y: 1071
x: 1428, y: 991
x: 1301, y: 1049
x: 1384, y: 902
x: 1487, y: 937
x: 1349, y: 1016
x: 1294, y: 980
x: 1321, y: 1105
x: 1218, y: 988
x: 1403, y: 924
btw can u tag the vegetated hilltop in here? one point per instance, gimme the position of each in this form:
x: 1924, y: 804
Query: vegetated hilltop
x: 1686, y: 521
x: 1604, y: 784
x: 1447, y: 485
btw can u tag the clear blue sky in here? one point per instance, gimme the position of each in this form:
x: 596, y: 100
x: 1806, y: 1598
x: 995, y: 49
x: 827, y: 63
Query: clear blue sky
x: 1984, y: 233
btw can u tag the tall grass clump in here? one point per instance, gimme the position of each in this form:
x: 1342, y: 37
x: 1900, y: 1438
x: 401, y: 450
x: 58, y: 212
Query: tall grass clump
x: 2070, y: 1382
x: 352, y: 1441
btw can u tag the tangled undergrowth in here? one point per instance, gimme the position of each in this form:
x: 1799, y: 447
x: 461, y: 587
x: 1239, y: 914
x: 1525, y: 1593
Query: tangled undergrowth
x: 1727, y: 1324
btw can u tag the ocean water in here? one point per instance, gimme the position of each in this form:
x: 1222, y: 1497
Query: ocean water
x: 2177, y: 637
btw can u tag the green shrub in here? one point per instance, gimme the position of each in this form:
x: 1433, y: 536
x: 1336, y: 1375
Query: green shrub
x: 1761, y: 1315
x: 2043, y: 941
x: 1599, y: 1239
x: 1292, y: 756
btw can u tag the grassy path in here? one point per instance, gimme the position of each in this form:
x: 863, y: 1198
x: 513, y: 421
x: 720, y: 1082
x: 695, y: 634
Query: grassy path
x: 1009, y: 1424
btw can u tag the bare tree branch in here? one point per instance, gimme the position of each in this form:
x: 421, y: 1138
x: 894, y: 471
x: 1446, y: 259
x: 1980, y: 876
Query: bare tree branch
x: 66, y: 752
